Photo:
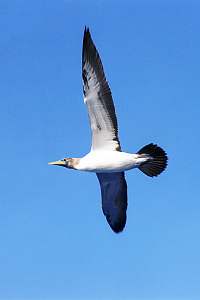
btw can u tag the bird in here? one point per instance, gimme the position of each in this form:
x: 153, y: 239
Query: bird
x: 106, y: 157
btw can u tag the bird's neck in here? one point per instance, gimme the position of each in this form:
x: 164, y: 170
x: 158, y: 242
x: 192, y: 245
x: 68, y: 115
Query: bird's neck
x: 72, y: 163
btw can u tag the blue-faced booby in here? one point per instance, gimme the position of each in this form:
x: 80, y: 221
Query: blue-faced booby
x: 105, y: 157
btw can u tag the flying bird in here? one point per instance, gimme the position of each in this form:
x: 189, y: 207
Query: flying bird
x: 106, y: 158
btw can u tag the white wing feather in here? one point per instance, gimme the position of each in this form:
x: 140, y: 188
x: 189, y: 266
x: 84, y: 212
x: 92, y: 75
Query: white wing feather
x: 98, y: 98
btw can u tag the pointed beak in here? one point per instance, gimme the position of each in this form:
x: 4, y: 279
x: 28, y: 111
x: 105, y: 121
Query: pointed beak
x: 58, y: 163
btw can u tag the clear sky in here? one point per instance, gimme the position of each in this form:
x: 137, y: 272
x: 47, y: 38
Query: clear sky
x: 54, y: 240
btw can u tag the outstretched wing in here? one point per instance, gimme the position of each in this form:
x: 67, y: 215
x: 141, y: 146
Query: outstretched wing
x: 114, y: 199
x: 98, y: 98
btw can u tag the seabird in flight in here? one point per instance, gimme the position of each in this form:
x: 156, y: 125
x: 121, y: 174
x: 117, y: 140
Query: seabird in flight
x: 106, y: 158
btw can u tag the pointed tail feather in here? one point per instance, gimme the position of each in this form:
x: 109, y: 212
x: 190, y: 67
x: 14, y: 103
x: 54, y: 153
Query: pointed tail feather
x: 156, y: 160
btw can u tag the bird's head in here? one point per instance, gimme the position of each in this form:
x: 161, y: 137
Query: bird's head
x: 66, y: 162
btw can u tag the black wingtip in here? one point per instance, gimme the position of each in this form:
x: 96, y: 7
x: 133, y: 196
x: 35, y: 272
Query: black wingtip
x: 87, y: 40
x: 119, y: 227
x: 86, y: 32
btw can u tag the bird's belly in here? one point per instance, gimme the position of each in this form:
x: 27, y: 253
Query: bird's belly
x: 107, y: 162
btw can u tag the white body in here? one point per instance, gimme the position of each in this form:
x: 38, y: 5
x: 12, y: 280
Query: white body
x: 109, y: 161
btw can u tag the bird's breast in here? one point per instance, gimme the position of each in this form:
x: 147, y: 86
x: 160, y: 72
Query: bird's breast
x: 107, y: 161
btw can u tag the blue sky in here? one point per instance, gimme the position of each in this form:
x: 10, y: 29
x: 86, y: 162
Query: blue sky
x: 55, y: 242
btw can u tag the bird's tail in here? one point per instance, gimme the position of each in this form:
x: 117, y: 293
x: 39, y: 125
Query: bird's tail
x: 156, y: 160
